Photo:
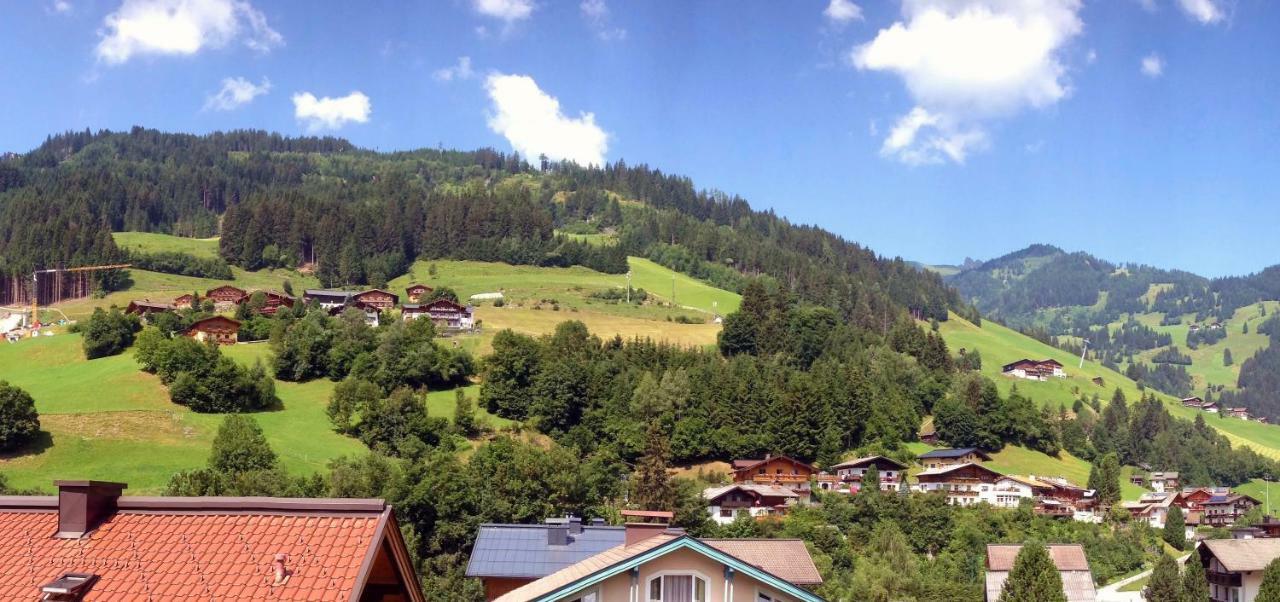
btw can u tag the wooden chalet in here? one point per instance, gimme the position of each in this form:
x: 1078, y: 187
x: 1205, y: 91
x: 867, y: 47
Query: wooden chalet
x: 759, y: 501
x: 146, y: 307
x: 274, y: 300
x: 1241, y: 413
x: 415, y: 293
x: 377, y: 298
x: 225, y: 296
x: 1194, y: 498
x: 891, y: 472
x: 219, y: 329
x: 372, y: 314
x: 1225, y: 510
x: 187, y: 300
x: 773, y: 470
x: 1033, y: 369
x: 445, y: 314
x: 939, y: 458
x: 1235, y: 567
x: 963, y: 484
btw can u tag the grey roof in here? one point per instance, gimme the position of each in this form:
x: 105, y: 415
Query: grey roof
x: 522, y: 550
x: 953, y: 453
x: 312, y: 292
x: 1077, y: 585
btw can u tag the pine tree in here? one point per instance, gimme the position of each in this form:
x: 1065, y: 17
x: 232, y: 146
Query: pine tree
x: 464, y: 414
x: 1164, y: 585
x: 870, y: 480
x: 652, y: 489
x: 1270, y: 589
x: 1034, y: 578
x: 1104, y: 480
x: 1195, y: 585
x: 1175, y: 529
x: 1226, y: 357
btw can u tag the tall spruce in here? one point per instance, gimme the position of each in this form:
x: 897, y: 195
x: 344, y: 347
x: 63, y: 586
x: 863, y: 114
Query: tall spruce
x: 1104, y: 479
x: 1195, y: 584
x: 1175, y: 529
x: 1270, y: 589
x: 652, y: 488
x: 1034, y: 577
x: 1164, y: 585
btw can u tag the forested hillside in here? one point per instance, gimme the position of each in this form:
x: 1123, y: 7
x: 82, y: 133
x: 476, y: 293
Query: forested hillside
x: 1171, y: 330
x: 361, y: 217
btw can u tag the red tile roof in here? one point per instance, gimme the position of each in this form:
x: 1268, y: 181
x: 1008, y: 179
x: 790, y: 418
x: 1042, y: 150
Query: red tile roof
x: 196, y: 549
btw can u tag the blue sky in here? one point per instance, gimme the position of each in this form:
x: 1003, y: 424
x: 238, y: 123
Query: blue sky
x: 1138, y: 130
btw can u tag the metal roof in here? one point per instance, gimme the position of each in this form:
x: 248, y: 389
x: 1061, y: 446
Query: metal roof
x: 953, y: 453
x: 522, y: 550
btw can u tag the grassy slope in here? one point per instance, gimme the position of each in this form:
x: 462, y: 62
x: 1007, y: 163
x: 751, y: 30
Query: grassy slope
x: 1206, y: 361
x: 150, y: 242
x: 1000, y: 345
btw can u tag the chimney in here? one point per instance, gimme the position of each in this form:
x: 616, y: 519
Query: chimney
x: 558, y: 535
x: 83, y: 505
x: 639, y: 528
x: 597, y: 522
x: 575, y: 525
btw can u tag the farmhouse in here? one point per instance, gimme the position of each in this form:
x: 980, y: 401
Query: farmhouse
x: 327, y: 299
x: 963, y: 484
x: 656, y: 562
x: 1033, y: 369
x: 377, y: 298
x: 146, y: 307
x: 445, y: 314
x: 225, y: 296
x: 1072, y: 565
x: 1224, y: 510
x: 940, y: 458
x: 372, y: 315
x: 1241, y: 413
x: 274, y: 300
x: 1199, y: 404
x: 724, y: 503
x: 90, y: 543
x: 219, y: 329
x: 773, y: 470
x: 890, y: 471
x: 1151, y: 507
x: 1234, y: 566
x: 186, y: 300
x: 1163, y: 481
x: 415, y: 293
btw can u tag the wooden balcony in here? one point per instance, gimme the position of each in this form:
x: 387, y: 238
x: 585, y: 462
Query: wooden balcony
x: 767, y: 479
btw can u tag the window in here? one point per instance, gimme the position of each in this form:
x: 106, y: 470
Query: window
x: 677, y: 588
x: 762, y: 596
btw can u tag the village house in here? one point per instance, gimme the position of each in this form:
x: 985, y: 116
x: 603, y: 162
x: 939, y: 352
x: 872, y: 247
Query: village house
x: 415, y: 293
x: 1199, y: 403
x: 187, y: 300
x: 90, y: 543
x: 219, y: 329
x: 378, y: 298
x: 724, y: 503
x: 656, y: 563
x: 1069, y: 559
x: 1241, y: 413
x: 372, y: 315
x: 1034, y: 369
x: 1225, y: 510
x: 1234, y: 567
x: 940, y: 458
x: 963, y: 484
x: 1162, y: 482
x: 890, y: 472
x: 225, y: 297
x: 146, y: 307
x: 272, y: 301
x: 774, y: 470
x: 445, y: 314
x: 328, y: 299
x: 1152, y: 508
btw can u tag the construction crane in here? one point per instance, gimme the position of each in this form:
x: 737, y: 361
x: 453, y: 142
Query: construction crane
x: 35, y: 284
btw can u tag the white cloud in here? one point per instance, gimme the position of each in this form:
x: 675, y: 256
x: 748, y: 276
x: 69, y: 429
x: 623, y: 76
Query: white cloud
x: 461, y: 70
x: 1204, y: 11
x: 506, y: 10
x: 330, y: 113
x: 60, y: 7
x: 968, y: 61
x: 235, y: 93
x: 1152, y: 65
x: 596, y: 13
x: 531, y: 120
x: 1091, y: 57
x: 181, y: 27
x: 843, y: 11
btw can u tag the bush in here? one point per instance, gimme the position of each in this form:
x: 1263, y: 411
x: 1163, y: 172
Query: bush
x: 108, y: 332
x: 182, y: 264
x: 240, y: 446
x: 203, y: 379
x: 19, y: 421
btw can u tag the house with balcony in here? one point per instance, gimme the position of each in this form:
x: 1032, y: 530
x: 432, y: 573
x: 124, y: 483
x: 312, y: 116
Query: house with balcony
x: 963, y: 485
x: 1234, y: 566
x: 940, y: 458
x: 774, y: 470
x: 891, y: 472
x: 1225, y: 510
x: 760, y: 501
x: 1152, y: 508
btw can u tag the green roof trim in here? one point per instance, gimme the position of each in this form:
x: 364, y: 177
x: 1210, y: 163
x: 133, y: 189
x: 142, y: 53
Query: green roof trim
x: 682, y: 542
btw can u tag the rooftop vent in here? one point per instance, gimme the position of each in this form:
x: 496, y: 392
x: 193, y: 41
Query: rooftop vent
x: 84, y: 505
x: 279, y: 569
x: 69, y: 587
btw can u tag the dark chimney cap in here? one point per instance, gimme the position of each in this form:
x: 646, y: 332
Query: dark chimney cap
x: 597, y: 522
